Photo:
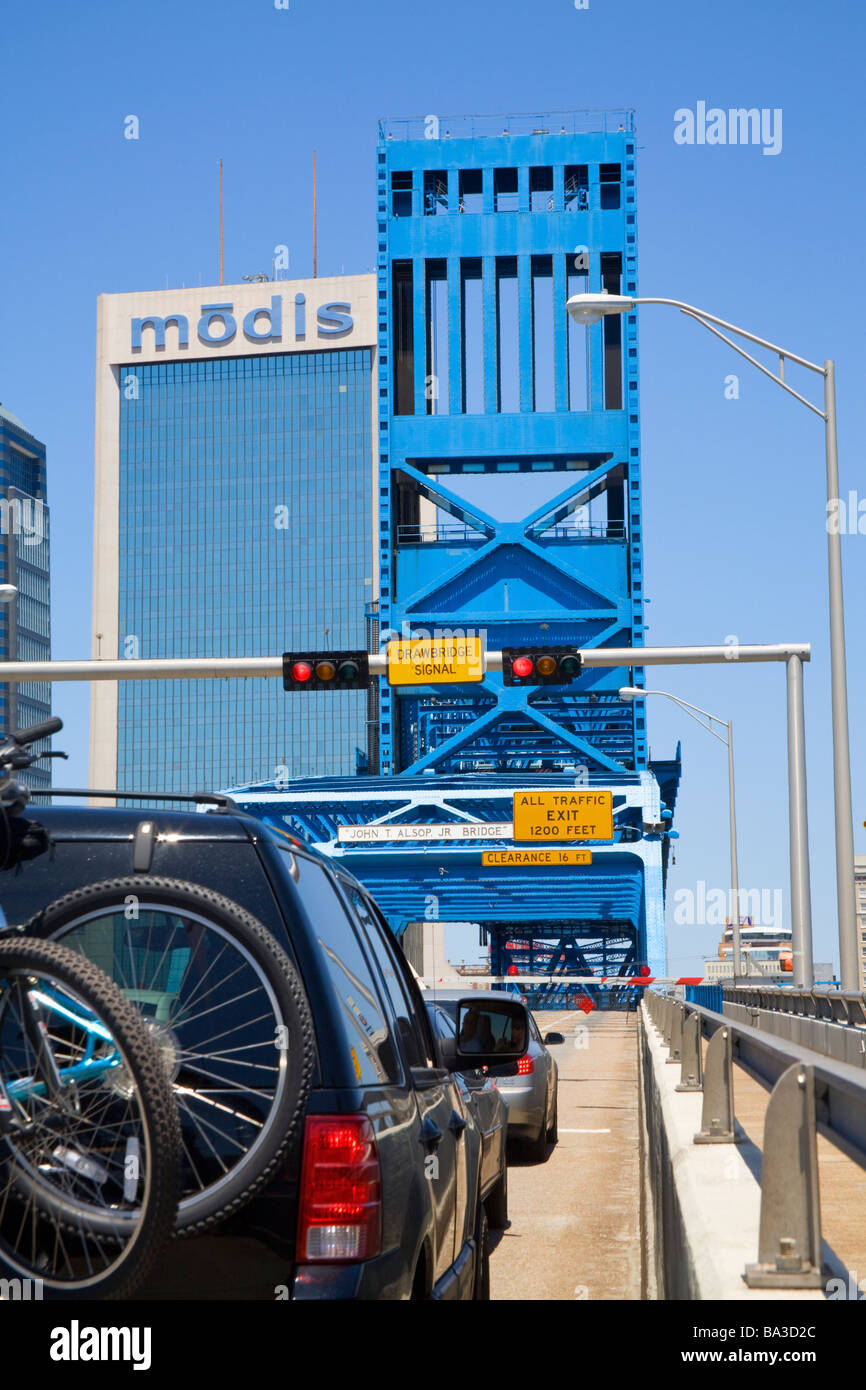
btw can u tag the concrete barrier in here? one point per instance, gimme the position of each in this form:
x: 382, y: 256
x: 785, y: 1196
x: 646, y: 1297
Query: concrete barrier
x: 701, y: 1201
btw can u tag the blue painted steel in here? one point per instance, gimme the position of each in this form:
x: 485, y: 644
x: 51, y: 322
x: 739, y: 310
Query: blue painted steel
x: 555, y: 574
x: 708, y: 996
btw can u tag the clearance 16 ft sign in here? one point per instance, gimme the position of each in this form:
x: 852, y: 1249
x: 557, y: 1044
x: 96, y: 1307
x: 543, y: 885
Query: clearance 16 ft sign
x: 563, y: 815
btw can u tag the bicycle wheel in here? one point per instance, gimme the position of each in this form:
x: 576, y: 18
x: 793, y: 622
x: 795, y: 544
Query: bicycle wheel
x: 89, y: 1134
x: 229, y: 1012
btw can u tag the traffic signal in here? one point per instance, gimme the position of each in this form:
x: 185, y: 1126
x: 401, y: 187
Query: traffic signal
x: 326, y: 671
x: 540, y: 665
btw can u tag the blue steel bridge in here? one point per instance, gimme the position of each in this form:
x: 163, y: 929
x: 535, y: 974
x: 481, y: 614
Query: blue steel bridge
x: 508, y: 502
x: 603, y: 919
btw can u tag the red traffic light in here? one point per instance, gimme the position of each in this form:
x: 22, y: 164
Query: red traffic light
x: 540, y: 665
x: 338, y: 670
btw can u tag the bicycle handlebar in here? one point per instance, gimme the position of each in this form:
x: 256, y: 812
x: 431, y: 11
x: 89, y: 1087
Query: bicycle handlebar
x: 36, y: 731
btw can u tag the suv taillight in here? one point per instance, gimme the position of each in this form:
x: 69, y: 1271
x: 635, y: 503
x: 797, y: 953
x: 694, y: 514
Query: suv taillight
x: 525, y: 1065
x: 340, y: 1215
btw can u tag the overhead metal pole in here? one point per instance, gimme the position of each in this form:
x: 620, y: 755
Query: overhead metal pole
x: 849, y: 954
x: 225, y: 667
x: 735, y: 872
x: 798, y: 830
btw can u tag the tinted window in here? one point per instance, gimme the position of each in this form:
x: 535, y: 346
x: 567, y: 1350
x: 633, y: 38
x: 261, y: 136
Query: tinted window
x: 365, y: 1025
x: 409, y: 1028
x: 443, y: 1022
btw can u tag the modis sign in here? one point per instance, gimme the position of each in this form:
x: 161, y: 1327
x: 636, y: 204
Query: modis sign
x: 218, y: 324
x: 563, y: 815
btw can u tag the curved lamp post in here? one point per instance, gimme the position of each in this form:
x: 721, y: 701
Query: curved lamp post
x: 591, y: 308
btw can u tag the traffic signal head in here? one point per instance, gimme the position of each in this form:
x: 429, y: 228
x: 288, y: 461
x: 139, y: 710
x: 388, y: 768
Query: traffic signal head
x: 540, y: 665
x: 325, y: 671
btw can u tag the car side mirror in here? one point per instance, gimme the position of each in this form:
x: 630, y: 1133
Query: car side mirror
x: 551, y: 1039
x: 490, y: 1031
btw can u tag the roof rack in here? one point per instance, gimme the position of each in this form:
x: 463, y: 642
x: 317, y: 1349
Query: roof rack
x: 220, y: 802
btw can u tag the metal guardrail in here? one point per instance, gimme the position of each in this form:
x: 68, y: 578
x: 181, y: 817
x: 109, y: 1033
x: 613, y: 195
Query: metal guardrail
x: 831, y: 1022
x: 808, y: 1093
x: 832, y: 1005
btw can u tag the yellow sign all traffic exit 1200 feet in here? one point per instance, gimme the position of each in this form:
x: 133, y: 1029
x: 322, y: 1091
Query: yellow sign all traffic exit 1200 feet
x: 435, y: 661
x: 563, y: 815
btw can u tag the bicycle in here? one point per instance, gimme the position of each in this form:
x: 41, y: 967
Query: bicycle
x: 89, y: 1131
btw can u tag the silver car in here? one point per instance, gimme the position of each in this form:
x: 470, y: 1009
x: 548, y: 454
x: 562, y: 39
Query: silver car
x: 529, y: 1088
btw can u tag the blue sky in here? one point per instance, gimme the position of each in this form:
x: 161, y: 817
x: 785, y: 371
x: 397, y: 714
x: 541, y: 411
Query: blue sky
x: 734, y: 489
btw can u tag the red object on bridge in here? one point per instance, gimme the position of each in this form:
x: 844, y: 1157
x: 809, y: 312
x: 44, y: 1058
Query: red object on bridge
x: 644, y: 970
x: 512, y: 969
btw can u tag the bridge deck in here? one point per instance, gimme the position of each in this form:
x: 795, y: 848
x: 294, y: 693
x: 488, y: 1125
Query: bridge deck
x: 575, y: 1220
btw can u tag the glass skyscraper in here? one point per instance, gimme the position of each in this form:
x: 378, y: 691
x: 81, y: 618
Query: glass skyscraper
x: 243, y: 528
x: 25, y: 619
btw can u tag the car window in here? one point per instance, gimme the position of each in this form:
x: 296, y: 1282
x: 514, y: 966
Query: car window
x: 446, y: 1023
x: 411, y: 1030
x: 365, y: 1023
x: 417, y: 996
x: 533, y: 1028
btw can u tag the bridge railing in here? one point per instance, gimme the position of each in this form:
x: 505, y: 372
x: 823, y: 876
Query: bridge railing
x: 809, y: 1093
x: 832, y: 1022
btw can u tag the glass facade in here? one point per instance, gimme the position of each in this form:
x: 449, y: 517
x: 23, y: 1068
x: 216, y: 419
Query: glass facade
x: 244, y: 530
x: 25, y: 623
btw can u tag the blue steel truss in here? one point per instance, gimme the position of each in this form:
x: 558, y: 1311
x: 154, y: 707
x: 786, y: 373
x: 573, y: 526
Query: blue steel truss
x: 469, y: 225
x: 484, y: 230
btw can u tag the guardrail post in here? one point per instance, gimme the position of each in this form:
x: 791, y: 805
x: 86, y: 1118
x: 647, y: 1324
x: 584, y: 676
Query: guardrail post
x: 717, y: 1112
x: 691, y: 1077
x: 667, y: 1020
x: 676, y: 1036
x: 789, y: 1244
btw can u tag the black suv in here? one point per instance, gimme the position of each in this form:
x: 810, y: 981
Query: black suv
x: 328, y: 1152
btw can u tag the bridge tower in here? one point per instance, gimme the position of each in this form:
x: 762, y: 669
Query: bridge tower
x: 484, y: 230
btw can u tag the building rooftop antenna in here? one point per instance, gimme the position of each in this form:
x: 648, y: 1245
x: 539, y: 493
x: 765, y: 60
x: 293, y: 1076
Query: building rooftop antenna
x: 315, y: 246
x: 221, y: 221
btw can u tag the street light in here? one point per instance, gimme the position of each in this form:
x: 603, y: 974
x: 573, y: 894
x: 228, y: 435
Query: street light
x: 8, y: 592
x: 591, y: 308
x: 633, y: 692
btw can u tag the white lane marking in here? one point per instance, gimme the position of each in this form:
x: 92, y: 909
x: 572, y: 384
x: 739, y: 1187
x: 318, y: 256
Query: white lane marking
x: 583, y: 1131
x: 552, y: 1022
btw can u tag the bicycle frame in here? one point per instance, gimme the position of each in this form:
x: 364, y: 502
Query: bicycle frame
x: 54, y: 1079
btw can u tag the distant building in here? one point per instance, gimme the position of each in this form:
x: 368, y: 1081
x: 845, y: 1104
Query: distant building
x: 860, y: 891
x: 25, y: 621
x: 235, y: 446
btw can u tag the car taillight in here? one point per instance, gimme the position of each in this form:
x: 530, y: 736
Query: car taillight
x: 525, y: 1065
x: 340, y: 1215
